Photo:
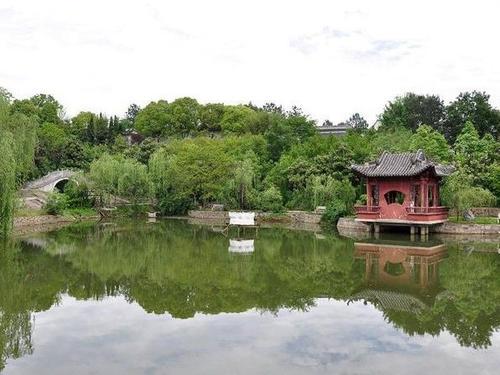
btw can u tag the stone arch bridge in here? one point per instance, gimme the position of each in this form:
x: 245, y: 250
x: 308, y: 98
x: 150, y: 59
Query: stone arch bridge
x: 49, y: 182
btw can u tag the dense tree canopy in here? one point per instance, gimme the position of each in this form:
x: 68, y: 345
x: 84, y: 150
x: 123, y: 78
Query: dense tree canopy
x: 244, y: 156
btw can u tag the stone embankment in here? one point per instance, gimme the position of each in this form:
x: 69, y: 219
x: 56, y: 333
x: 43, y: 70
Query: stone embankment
x: 481, y: 211
x: 43, y: 223
x: 349, y: 225
x: 465, y: 228
x: 289, y: 216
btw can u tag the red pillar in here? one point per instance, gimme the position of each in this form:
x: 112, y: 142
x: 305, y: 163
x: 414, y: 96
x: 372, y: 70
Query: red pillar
x: 369, y: 202
x: 422, y: 194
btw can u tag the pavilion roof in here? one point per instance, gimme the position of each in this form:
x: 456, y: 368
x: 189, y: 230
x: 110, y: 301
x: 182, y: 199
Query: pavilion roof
x: 400, y: 165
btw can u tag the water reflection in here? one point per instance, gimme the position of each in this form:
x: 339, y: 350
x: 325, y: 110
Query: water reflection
x: 241, y: 246
x: 182, y: 270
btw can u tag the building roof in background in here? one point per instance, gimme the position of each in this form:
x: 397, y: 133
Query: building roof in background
x: 404, y: 164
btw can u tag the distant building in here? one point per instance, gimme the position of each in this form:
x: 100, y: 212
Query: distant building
x: 328, y: 129
x: 133, y: 138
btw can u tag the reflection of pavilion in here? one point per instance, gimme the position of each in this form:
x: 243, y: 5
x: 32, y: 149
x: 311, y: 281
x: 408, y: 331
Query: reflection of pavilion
x: 395, y: 272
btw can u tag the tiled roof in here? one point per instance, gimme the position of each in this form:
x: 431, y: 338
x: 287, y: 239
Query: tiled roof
x: 401, y: 164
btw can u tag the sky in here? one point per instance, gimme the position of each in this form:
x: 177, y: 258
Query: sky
x: 331, y: 58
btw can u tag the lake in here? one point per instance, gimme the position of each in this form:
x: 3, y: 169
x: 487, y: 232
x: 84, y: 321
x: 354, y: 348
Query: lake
x: 171, y: 297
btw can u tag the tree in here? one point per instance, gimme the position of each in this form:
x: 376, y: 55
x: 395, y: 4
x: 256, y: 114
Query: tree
x: 5, y: 95
x: 474, y: 107
x: 189, y: 172
x: 459, y: 194
x: 357, y: 122
x: 131, y: 114
x: 237, y: 119
x: 475, y: 156
x: 211, y: 116
x: 153, y: 119
x: 42, y: 106
x: 412, y: 110
x: 7, y: 183
x: 80, y: 124
x: 17, y: 143
x: 273, y: 108
x: 241, y: 185
x: 133, y: 182
x: 432, y: 143
x: 183, y: 117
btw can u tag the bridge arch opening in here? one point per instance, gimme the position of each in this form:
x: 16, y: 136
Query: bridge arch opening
x: 61, y: 185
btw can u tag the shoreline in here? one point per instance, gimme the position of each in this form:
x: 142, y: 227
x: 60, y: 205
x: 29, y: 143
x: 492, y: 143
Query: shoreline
x: 348, y: 224
x: 44, y: 223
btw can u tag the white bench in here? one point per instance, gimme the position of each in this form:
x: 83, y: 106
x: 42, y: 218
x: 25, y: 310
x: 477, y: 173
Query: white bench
x: 242, y: 218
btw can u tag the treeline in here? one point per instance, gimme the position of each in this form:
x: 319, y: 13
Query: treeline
x: 184, y: 154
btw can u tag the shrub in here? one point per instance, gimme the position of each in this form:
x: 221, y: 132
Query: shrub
x: 341, y: 203
x: 269, y: 200
x: 78, y: 194
x: 56, y: 203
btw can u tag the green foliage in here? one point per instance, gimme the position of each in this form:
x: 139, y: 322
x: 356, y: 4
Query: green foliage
x: 194, y: 169
x: 411, y: 110
x: 118, y: 176
x: 211, y: 117
x: 17, y: 144
x: 232, y: 154
x: 237, y: 119
x: 56, y: 203
x: 133, y: 182
x: 269, y: 200
x: 474, y: 107
x: 78, y: 193
x: 341, y: 202
x: 357, y: 122
x: 7, y: 183
x: 152, y: 120
x: 459, y: 194
x: 432, y: 143
x: 478, y: 158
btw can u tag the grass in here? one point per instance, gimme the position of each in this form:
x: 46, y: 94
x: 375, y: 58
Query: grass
x: 80, y: 212
x: 29, y: 212
x: 477, y: 220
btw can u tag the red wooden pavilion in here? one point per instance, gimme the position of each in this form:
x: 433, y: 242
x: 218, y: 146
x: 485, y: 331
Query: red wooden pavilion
x: 402, y: 189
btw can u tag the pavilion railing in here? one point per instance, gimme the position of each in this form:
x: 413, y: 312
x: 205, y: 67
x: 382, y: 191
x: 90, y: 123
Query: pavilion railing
x: 367, y: 209
x: 427, y: 210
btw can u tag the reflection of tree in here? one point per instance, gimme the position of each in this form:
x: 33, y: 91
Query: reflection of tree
x: 15, y: 318
x: 186, y: 269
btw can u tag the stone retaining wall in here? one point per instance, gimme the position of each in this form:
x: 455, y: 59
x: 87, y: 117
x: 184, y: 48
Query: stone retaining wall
x: 455, y: 228
x: 481, y: 211
x: 209, y: 215
x: 349, y: 224
x: 28, y: 221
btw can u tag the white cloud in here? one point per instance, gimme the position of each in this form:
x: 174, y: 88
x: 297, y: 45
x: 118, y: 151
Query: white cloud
x: 331, y: 58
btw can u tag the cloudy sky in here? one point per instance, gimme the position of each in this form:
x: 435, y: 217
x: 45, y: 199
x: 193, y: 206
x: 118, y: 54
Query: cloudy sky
x: 331, y: 58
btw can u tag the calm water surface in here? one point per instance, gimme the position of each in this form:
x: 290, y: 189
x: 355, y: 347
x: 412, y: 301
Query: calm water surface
x: 170, y: 297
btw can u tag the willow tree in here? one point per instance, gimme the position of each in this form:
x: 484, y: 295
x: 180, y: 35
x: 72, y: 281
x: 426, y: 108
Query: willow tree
x: 7, y: 182
x: 17, y: 149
